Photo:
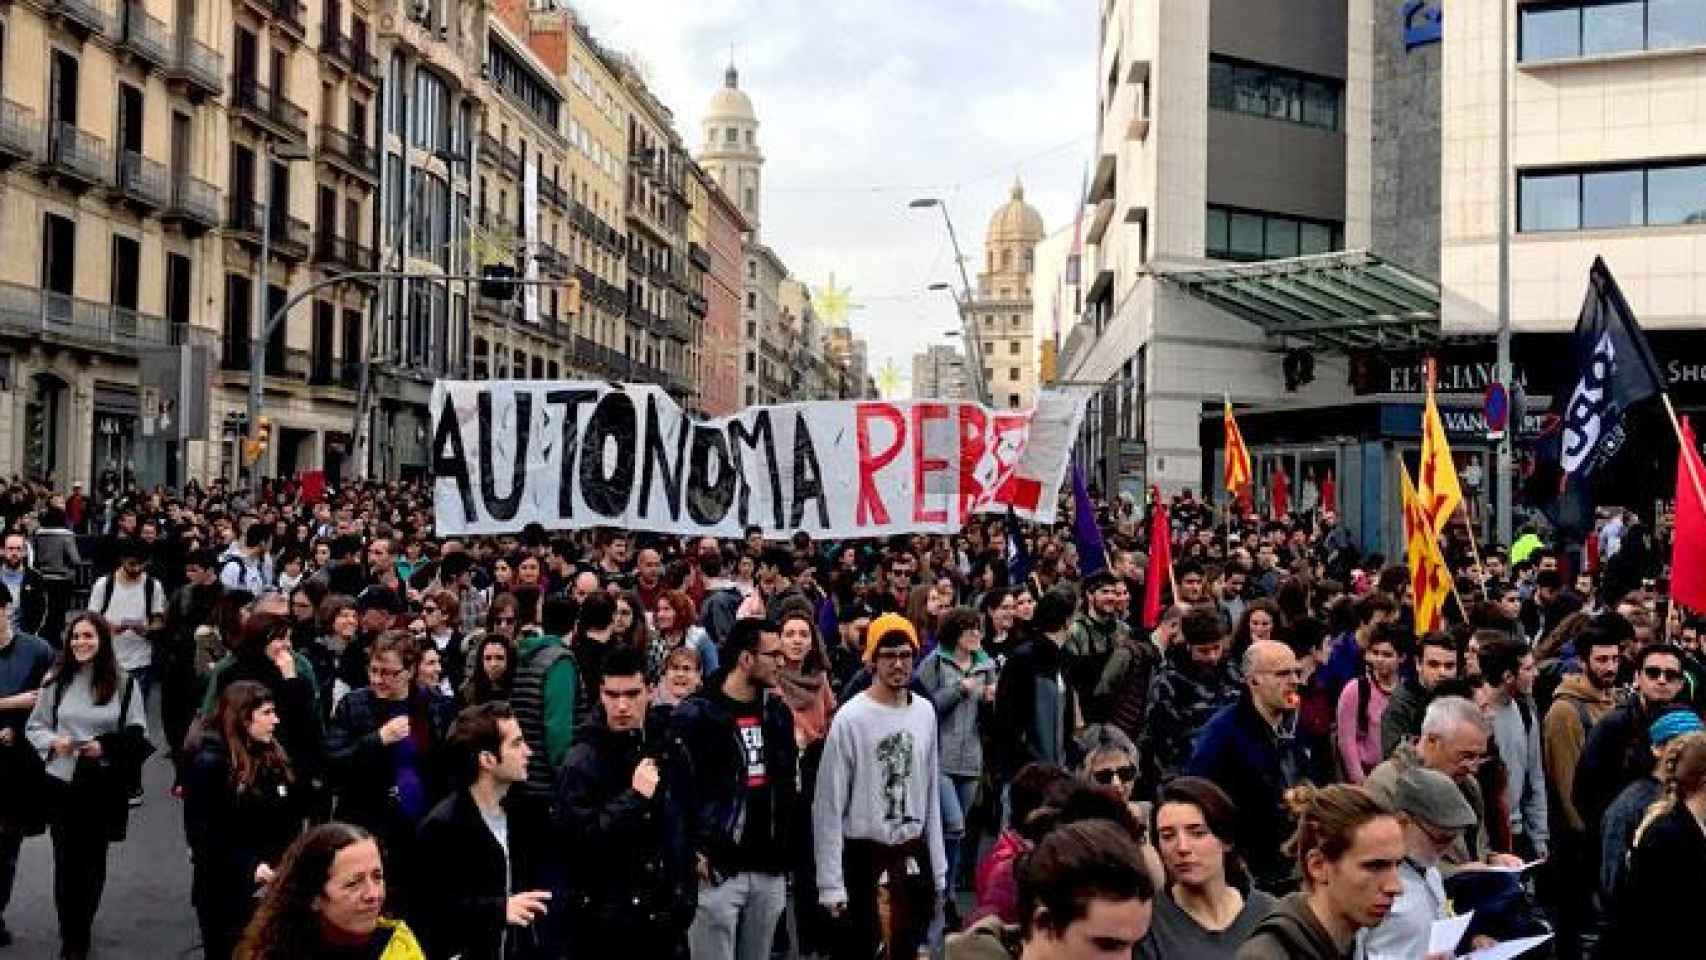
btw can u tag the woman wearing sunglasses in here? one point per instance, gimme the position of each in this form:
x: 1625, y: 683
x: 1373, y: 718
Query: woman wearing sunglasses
x: 1110, y: 761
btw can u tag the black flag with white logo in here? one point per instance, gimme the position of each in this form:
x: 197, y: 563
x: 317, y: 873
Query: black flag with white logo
x: 1615, y: 370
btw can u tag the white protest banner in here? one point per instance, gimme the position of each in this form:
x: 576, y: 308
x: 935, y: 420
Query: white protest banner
x: 572, y: 454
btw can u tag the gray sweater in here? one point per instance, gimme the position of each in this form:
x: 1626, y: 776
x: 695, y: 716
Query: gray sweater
x: 80, y: 718
x: 1525, y: 773
x: 1176, y: 935
x: 878, y: 781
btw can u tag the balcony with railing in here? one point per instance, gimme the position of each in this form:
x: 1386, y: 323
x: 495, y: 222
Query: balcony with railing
x: 268, y: 110
x: 20, y: 132
x: 290, y: 363
x: 142, y: 182
x: 324, y: 371
x: 343, y: 253
x: 27, y: 310
x: 77, y: 155
x: 194, y: 202
x: 512, y: 161
x: 89, y: 16
x: 146, y: 36
x: 336, y: 48
x: 697, y: 304
x: 289, y: 237
x: 552, y: 194
x: 198, y: 67
x: 699, y: 256
x: 348, y: 153
x: 287, y: 15
x: 490, y: 152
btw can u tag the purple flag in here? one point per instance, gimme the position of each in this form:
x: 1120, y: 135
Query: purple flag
x: 1092, y: 555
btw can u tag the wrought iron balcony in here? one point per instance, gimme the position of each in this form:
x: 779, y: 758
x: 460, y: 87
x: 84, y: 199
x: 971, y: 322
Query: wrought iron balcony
x: 289, y: 236
x: 146, y: 35
x: 27, y: 310
x: 198, y: 67
x: 552, y: 194
x: 194, y: 202
x: 20, y: 132
x: 272, y: 112
x: 142, y: 181
x: 336, y: 46
x: 698, y: 256
x: 344, y: 253
x: 348, y: 152
x: 490, y: 152
x: 77, y: 155
x: 244, y: 217
x: 91, y: 16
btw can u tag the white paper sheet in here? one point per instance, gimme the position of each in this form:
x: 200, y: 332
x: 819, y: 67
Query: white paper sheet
x: 1444, y: 936
x: 1530, y: 865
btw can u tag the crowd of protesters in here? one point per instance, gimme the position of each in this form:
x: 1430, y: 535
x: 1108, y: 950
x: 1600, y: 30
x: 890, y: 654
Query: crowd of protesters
x: 392, y: 744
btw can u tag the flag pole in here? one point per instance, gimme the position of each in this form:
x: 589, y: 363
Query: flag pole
x: 1676, y: 425
x: 1474, y: 551
x: 1461, y: 609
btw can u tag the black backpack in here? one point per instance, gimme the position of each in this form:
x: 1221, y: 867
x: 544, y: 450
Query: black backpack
x: 147, y: 596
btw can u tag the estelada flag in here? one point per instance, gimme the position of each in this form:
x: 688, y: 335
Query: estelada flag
x: 1237, y: 455
x: 1160, y: 559
x: 1438, y: 488
x: 1688, y: 548
x: 1430, y: 581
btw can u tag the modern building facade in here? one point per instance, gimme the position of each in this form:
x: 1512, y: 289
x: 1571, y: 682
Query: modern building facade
x: 1001, y: 308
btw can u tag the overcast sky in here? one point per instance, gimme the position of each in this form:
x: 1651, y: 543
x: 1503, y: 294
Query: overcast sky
x: 865, y: 104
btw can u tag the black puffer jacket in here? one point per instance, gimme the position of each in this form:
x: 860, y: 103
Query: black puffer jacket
x: 360, y: 764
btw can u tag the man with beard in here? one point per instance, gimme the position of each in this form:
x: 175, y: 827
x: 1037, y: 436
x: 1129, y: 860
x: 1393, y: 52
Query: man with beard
x: 1096, y: 633
x: 1617, y: 752
x: 876, y: 821
x: 1194, y: 684
x: 29, y: 591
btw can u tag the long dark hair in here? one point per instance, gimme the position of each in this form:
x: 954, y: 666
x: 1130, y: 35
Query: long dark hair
x: 285, y: 926
x: 1219, y: 814
x: 249, y: 757
x: 104, y: 668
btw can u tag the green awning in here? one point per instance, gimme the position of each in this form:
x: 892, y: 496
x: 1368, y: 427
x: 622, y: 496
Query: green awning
x: 1351, y: 300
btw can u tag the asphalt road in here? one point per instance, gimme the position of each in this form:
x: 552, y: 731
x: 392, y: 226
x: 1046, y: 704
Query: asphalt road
x: 145, y: 914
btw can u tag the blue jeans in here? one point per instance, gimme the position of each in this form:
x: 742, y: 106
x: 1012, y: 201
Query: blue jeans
x: 957, y: 796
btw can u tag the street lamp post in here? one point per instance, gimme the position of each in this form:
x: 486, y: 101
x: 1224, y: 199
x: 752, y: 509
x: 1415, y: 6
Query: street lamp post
x: 1504, y: 499
x: 974, y: 350
x: 257, y: 349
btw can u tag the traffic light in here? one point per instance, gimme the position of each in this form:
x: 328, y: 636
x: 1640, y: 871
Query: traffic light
x: 497, y: 281
x: 256, y: 445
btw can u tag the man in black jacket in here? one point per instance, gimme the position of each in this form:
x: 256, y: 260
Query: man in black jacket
x: 1617, y: 752
x: 29, y: 590
x: 490, y: 890
x: 741, y: 740
x: 620, y: 796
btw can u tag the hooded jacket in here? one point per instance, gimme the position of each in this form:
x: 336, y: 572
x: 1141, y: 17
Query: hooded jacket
x: 1292, y: 932
x: 956, y: 712
x: 1182, y: 701
x: 716, y: 759
x: 1562, y: 738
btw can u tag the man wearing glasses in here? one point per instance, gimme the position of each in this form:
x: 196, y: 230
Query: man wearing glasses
x: 1454, y: 741
x: 741, y: 739
x: 876, y: 820
x: 1250, y: 749
x: 1618, y: 751
x: 1434, y: 815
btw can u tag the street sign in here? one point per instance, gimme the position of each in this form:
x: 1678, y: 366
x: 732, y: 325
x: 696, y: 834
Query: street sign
x: 1495, y: 405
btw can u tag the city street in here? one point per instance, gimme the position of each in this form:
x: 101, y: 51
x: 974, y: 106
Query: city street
x: 146, y: 911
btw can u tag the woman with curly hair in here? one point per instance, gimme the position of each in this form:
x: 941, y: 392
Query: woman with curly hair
x: 242, y: 810
x: 325, y: 903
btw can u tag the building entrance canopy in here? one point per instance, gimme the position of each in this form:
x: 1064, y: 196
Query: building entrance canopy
x: 1351, y: 300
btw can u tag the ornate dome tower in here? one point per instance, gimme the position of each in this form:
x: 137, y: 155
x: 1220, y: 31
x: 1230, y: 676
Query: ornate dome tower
x: 1008, y: 246
x: 730, y: 151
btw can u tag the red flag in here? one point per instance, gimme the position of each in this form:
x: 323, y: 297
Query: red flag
x: 313, y: 486
x: 1688, y: 551
x: 1279, y: 493
x: 1160, y: 560
x: 1328, y: 488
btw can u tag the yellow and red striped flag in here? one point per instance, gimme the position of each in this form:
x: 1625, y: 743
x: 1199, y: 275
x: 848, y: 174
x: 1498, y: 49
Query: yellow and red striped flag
x: 1237, y: 455
x: 1430, y: 581
x: 1437, y: 484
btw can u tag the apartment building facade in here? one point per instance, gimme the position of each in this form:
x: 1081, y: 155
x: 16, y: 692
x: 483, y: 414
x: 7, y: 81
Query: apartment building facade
x: 720, y: 246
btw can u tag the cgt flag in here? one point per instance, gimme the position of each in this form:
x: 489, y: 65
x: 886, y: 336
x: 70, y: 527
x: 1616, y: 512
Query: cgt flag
x: 1688, y: 547
x: 1617, y: 371
x: 1430, y: 581
x: 1438, y: 488
x: 1237, y: 455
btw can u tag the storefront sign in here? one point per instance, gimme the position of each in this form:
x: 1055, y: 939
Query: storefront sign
x: 1542, y: 365
x: 573, y: 454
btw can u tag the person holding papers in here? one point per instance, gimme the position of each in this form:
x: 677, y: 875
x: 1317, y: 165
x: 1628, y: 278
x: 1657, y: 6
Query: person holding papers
x: 1434, y: 815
